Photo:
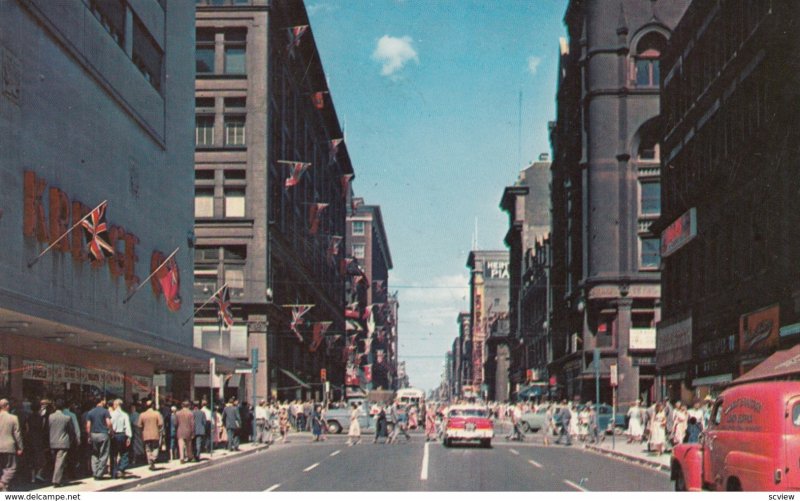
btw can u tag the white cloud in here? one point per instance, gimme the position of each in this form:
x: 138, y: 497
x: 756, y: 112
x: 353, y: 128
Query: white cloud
x: 533, y: 64
x: 319, y: 8
x: 394, y: 53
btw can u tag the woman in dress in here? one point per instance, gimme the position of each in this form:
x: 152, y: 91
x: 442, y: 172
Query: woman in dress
x: 430, y: 423
x: 583, y: 422
x: 680, y: 421
x: 316, y: 423
x: 283, y: 423
x: 658, y: 434
x: 354, y: 433
x: 574, y: 426
x: 221, y: 435
x: 635, y: 428
x: 413, y: 420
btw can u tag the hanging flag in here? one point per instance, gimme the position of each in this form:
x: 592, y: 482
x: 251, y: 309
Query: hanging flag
x: 379, y: 287
x: 351, y: 376
x: 95, y: 229
x: 346, y: 185
x: 370, y: 325
x: 318, y: 98
x: 333, y: 249
x: 344, y: 264
x: 319, y: 335
x: 170, y: 281
x: 296, y: 172
x: 297, y: 314
x: 367, y: 345
x: 223, y: 301
x: 368, y: 311
x: 333, y: 151
x: 315, y: 217
x: 356, y: 203
x: 329, y: 342
x: 352, y: 325
x: 351, y: 311
x: 368, y: 373
x: 295, y: 34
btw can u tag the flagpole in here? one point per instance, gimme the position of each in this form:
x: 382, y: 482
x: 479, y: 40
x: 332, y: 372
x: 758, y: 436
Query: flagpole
x: 207, y: 301
x: 36, y: 259
x: 125, y: 301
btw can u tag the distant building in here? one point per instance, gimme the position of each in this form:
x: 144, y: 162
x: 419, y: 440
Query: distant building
x: 464, y: 361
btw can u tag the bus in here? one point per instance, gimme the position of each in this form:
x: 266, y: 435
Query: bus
x: 415, y: 397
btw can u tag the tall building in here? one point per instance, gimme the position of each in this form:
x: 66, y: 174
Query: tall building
x: 270, y: 195
x: 729, y: 193
x: 96, y: 106
x: 527, y: 203
x: 605, y: 175
x: 369, y: 247
x: 463, y: 387
x: 488, y: 300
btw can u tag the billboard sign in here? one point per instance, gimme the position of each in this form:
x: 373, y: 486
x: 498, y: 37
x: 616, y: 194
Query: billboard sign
x: 679, y: 233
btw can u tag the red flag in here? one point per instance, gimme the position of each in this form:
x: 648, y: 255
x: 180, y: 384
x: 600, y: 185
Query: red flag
x: 351, y: 311
x: 224, y: 303
x: 170, y: 281
x: 319, y: 335
x: 297, y: 314
x: 333, y: 249
x: 295, y: 33
x: 368, y: 311
x: 318, y: 98
x: 95, y: 229
x: 297, y: 170
x: 315, y: 217
x: 351, y: 376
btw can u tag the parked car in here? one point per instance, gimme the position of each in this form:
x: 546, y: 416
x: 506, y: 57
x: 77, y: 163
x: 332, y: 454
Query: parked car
x: 752, y: 442
x: 534, y: 421
x: 468, y: 423
x: 537, y: 420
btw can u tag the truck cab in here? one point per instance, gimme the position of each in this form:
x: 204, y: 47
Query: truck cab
x: 752, y: 442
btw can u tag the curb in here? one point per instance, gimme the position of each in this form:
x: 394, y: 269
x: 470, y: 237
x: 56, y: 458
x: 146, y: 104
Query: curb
x: 174, y: 473
x: 630, y: 457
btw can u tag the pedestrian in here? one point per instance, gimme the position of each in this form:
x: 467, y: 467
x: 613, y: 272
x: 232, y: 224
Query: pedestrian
x: 62, y: 437
x: 184, y: 431
x: 232, y: 421
x: 283, y: 423
x: 98, y: 428
x: 658, y: 430
x: 10, y: 444
x: 693, y: 431
x: 550, y: 427
x: 430, y: 424
x: 316, y: 423
x: 680, y: 422
x: 73, y: 459
x: 208, y: 440
x: 381, y: 430
x: 574, y: 426
x: 593, y: 424
x: 121, y: 438
x: 564, y: 418
x: 354, y: 433
x: 199, y: 430
x: 696, y: 412
x: 261, y: 422
x: 635, y: 427
x: 583, y: 423
x: 172, y: 439
x: 413, y: 417
x: 36, y: 440
x: 220, y: 435
x: 151, y: 422
x: 136, y: 450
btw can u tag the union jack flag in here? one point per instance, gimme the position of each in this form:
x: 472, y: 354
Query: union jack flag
x: 95, y: 229
x: 223, y: 301
x: 297, y: 170
x: 295, y: 34
x: 333, y: 150
x: 319, y: 335
x: 351, y: 311
x: 315, y: 216
x: 297, y: 315
x: 346, y: 184
x: 170, y: 281
x: 333, y: 249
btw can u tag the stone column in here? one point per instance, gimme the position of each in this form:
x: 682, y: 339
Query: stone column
x: 628, y: 390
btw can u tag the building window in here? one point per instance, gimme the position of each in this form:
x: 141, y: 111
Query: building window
x: 203, y: 202
x: 147, y: 55
x: 205, y: 281
x: 204, y: 52
x: 235, y: 52
x: 204, y: 130
x: 234, y: 131
x: 359, y: 251
x: 651, y: 198
x: 234, y: 277
x: 111, y: 14
x: 651, y: 252
x: 234, y: 202
x: 645, y: 62
x: 358, y: 227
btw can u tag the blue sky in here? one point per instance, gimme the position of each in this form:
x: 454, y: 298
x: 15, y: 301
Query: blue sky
x: 429, y: 93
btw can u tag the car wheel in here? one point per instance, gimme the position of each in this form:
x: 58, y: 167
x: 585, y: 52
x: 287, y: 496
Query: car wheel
x: 680, y: 482
x: 526, y: 427
x: 734, y: 484
x: 486, y: 443
x: 447, y: 442
x: 334, y: 427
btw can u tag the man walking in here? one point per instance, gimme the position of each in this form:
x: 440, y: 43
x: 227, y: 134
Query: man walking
x: 152, y: 425
x: 62, y: 437
x: 565, y: 416
x: 121, y: 439
x: 10, y: 444
x: 261, y: 422
x: 98, y: 427
x: 209, y: 425
x: 199, y: 430
x: 232, y: 421
x: 184, y: 431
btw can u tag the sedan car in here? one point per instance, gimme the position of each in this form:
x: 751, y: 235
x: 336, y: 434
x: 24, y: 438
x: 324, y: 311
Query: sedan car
x: 534, y: 421
x: 468, y: 423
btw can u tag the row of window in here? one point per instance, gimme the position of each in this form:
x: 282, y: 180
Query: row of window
x: 232, y: 52
x: 234, y: 128
x: 233, y: 203
x: 212, y: 262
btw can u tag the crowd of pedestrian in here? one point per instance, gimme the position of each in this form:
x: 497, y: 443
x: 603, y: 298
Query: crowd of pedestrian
x: 662, y: 425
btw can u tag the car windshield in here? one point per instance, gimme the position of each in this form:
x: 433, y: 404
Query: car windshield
x: 467, y: 413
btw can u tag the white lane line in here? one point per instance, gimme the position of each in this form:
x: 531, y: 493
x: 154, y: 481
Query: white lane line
x: 311, y: 467
x: 423, y: 474
x: 273, y: 488
x: 575, y: 486
x: 534, y: 463
x: 334, y: 453
x: 514, y: 452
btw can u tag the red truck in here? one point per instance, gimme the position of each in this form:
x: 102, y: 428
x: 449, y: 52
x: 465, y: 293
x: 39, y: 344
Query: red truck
x: 752, y: 442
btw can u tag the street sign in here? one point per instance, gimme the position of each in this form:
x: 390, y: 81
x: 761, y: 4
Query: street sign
x: 614, y: 380
x: 243, y: 371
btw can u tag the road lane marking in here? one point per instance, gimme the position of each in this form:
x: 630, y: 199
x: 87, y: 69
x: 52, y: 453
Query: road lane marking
x: 534, y: 463
x: 575, y: 486
x: 514, y: 452
x: 423, y: 474
x: 335, y: 453
x: 273, y: 488
x: 311, y: 467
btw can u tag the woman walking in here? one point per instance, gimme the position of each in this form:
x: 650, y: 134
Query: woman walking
x: 354, y: 433
x: 283, y: 423
x: 680, y: 421
x: 413, y: 420
x: 658, y: 430
x: 316, y: 423
x: 430, y: 424
x: 635, y: 427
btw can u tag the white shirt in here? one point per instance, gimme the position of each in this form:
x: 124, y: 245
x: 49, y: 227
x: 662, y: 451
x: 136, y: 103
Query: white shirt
x: 261, y: 412
x: 207, y: 412
x: 121, y: 422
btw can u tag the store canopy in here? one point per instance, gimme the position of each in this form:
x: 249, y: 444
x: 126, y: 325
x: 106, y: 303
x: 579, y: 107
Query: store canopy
x: 297, y: 379
x: 780, y: 364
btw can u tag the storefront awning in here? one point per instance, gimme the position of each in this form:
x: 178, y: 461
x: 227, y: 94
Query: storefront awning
x: 711, y: 380
x: 297, y: 379
x: 780, y: 364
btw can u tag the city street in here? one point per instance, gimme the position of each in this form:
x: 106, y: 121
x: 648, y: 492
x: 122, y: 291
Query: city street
x: 417, y: 466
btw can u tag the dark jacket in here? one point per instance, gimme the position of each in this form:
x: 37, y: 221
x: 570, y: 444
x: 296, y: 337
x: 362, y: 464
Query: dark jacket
x: 231, y: 418
x: 199, y: 422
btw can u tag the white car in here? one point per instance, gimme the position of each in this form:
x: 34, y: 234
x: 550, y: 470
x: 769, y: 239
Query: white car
x: 468, y: 423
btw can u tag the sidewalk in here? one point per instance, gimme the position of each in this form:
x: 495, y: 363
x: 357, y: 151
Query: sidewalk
x: 635, y: 452
x: 141, y: 475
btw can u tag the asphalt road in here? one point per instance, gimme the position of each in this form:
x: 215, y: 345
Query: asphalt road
x: 416, y: 466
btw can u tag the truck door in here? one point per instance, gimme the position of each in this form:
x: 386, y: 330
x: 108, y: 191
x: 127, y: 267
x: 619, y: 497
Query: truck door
x: 712, y: 462
x: 791, y: 444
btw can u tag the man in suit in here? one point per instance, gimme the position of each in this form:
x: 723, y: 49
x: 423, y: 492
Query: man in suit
x: 62, y: 438
x: 232, y: 421
x: 184, y: 431
x: 199, y: 430
x: 10, y: 445
x: 152, y: 425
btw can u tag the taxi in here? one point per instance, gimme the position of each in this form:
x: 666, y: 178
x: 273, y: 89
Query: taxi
x: 468, y: 423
